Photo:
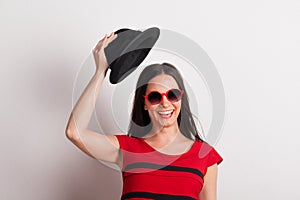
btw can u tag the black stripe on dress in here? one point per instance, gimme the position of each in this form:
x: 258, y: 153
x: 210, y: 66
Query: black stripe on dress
x: 149, y: 195
x: 163, y: 167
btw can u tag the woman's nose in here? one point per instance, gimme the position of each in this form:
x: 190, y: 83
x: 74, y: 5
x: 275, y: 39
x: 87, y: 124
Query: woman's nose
x: 165, y: 102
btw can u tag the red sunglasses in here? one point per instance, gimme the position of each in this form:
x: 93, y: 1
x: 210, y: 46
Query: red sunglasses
x: 155, y: 97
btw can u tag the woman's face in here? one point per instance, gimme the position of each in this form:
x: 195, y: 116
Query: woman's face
x: 162, y: 83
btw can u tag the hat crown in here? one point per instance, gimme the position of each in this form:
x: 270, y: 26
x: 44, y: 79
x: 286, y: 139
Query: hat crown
x: 125, y: 35
x: 128, y: 50
x: 127, y: 32
x: 116, y: 47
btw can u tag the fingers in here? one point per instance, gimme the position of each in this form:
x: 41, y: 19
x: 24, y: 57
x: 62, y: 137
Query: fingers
x: 111, y: 34
x: 100, y: 42
x: 105, y: 41
x: 110, y: 38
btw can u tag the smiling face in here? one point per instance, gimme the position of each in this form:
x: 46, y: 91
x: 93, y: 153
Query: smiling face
x: 159, y: 113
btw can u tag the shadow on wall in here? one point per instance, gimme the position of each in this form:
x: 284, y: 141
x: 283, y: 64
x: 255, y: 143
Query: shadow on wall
x: 84, y: 178
x: 70, y: 174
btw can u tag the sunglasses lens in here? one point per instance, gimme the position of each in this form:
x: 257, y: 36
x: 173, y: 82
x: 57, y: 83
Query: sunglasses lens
x: 154, y: 97
x: 174, y: 95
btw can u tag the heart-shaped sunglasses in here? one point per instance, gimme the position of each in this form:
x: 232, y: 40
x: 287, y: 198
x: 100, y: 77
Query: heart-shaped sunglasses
x: 155, y: 97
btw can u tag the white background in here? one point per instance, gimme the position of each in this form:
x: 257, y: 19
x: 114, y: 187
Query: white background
x: 254, y: 45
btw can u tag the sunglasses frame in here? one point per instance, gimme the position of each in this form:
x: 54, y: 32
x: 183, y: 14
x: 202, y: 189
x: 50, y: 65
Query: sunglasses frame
x: 164, y: 94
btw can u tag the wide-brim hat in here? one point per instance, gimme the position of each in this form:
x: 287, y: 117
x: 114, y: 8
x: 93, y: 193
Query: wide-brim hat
x: 125, y: 53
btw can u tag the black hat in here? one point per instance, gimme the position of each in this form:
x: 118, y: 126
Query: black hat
x: 128, y: 50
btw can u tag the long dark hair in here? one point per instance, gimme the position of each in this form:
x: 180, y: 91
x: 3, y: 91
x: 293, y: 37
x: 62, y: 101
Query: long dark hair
x: 140, y: 123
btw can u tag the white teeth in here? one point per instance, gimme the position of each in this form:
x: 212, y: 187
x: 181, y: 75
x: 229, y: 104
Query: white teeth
x: 166, y: 112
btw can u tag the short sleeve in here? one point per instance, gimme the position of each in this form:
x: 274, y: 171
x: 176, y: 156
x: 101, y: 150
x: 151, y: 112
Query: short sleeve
x: 214, y: 157
x: 122, y: 141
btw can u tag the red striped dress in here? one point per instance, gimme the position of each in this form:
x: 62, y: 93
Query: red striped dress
x: 150, y: 174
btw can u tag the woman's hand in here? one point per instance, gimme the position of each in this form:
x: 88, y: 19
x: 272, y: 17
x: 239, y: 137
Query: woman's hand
x: 99, y: 55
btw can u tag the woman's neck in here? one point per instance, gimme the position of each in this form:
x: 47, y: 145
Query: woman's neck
x: 166, y: 134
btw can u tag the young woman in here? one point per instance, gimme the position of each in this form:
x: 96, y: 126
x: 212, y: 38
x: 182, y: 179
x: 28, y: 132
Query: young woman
x: 162, y: 155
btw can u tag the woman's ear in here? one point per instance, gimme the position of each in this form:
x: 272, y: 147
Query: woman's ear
x: 145, y: 107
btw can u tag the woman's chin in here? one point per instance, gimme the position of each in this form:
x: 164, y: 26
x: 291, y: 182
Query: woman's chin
x: 167, y: 122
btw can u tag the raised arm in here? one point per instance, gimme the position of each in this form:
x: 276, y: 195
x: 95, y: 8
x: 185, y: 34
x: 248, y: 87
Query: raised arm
x: 98, y: 146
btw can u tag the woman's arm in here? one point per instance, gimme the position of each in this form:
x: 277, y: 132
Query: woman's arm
x: 209, y: 190
x: 99, y: 146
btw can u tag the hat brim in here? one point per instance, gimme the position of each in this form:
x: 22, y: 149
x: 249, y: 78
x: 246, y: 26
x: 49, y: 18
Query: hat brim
x: 133, y: 55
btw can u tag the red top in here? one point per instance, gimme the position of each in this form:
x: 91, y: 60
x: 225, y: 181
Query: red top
x: 150, y: 174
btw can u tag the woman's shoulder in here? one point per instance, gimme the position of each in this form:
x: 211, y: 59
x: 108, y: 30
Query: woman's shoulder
x: 127, y: 142
x: 127, y: 137
x: 207, y: 151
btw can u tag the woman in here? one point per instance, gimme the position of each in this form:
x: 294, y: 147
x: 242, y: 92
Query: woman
x: 162, y: 156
